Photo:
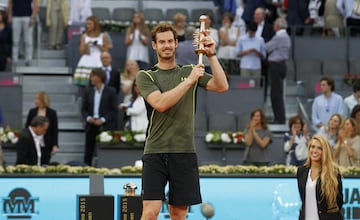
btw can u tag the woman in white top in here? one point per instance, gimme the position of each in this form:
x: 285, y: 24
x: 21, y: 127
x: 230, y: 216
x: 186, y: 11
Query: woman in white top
x: 92, y: 43
x: 136, y: 112
x: 127, y: 79
x: 330, y: 131
x: 319, y: 183
x: 137, y: 39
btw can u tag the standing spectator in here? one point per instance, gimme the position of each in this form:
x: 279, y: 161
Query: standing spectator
x: 185, y: 52
x: 136, y: 112
x: 257, y: 139
x: 92, y: 43
x: 278, y: 52
x: 297, y: 15
x: 169, y: 153
x: 316, y: 12
x: 333, y: 20
x: 351, y: 14
x: 80, y: 10
x: 331, y: 130
x: 99, y: 110
x: 250, y: 7
x: 28, y: 147
x: 326, y: 104
x: 352, y: 100
x: 238, y: 21
x: 347, y: 150
x: 5, y: 41
x: 57, y: 17
x: 22, y: 16
x: 228, y: 35
x: 251, y: 49
x: 224, y: 6
x: 179, y: 24
x: 296, y: 142
x: 112, y: 75
x: 51, y: 146
x: 127, y: 80
x: 213, y: 33
x: 137, y: 40
x: 319, y: 183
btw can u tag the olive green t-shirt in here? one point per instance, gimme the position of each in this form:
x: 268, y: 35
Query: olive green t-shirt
x: 171, y: 131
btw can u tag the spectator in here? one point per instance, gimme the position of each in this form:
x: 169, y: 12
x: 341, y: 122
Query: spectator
x: 319, y: 183
x: 22, y: 16
x: 185, y: 52
x: 137, y: 40
x: 355, y: 114
x: 351, y: 13
x: 296, y: 142
x: 51, y: 146
x: 136, y: 112
x: 28, y: 147
x: 92, y: 43
x: 127, y: 79
x: 326, y: 104
x: 257, y: 139
x: 331, y: 130
x: 316, y: 12
x: 228, y: 35
x: 278, y: 52
x: 352, y: 100
x: 333, y: 20
x: 347, y: 150
x: 99, y: 110
x: 297, y: 15
x: 238, y: 21
x: 179, y: 25
x: 213, y: 33
x: 57, y: 17
x: 112, y: 75
x: 251, y: 49
x: 264, y: 29
x: 250, y: 7
x: 5, y: 41
x: 80, y: 10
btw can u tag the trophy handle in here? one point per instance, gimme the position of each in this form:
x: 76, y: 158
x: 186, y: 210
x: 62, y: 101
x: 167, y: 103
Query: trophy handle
x: 198, y: 39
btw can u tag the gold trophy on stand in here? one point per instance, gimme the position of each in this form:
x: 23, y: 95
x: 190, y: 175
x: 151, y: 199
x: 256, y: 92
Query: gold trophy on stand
x: 198, y: 37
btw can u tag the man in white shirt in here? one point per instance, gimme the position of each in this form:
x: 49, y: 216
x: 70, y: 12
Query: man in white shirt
x: 28, y: 147
x: 352, y: 100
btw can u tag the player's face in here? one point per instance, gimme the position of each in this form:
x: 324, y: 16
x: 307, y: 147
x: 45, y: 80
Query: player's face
x: 165, y: 45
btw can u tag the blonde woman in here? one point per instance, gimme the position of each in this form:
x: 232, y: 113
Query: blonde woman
x: 42, y: 108
x: 137, y: 39
x: 347, y: 149
x: 331, y: 130
x: 179, y: 20
x: 127, y: 79
x: 319, y: 183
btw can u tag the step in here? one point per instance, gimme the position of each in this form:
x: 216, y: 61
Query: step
x: 54, y: 54
x: 37, y: 70
x: 71, y: 137
x: 33, y: 88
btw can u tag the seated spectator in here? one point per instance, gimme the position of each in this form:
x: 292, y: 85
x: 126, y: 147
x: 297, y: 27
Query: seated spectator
x: 185, y: 52
x: 326, y: 104
x: 296, y: 142
x: 331, y: 130
x: 179, y: 25
x: 5, y: 41
x: 28, y: 148
x: 92, y: 43
x: 353, y: 99
x: 347, y: 150
x: 355, y: 114
x: 228, y: 35
x: 257, y: 139
x: 136, y: 112
x: 127, y: 79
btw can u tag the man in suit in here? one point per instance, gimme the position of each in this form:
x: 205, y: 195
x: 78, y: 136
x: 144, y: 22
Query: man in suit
x: 250, y: 7
x: 112, y: 75
x: 99, y: 110
x: 298, y: 15
x: 31, y: 140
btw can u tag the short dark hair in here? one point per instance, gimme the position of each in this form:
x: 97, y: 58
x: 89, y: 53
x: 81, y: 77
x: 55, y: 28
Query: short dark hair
x: 356, y: 85
x: 355, y: 110
x: 330, y: 81
x: 163, y: 27
x: 99, y: 73
x: 294, y: 119
x: 251, y: 26
x: 39, y: 121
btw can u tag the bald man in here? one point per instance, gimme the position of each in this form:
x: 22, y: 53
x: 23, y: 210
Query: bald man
x: 112, y: 75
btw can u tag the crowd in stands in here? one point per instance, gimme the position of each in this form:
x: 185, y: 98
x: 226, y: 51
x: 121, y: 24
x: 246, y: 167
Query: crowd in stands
x: 247, y: 37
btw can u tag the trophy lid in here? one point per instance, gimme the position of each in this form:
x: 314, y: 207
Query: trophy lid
x: 130, y: 185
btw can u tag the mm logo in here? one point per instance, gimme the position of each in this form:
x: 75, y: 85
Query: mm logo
x: 19, y: 204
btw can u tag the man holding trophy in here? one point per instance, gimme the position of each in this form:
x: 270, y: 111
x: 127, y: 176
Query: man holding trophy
x: 170, y: 94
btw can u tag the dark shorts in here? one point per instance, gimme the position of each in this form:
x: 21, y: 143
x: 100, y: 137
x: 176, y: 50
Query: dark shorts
x: 180, y: 170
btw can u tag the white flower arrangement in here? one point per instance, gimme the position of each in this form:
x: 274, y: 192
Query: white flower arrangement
x: 224, y: 137
x: 126, y: 136
x: 8, y: 135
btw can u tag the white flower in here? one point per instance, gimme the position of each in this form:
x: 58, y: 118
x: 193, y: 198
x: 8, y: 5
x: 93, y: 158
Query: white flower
x: 105, y: 137
x: 225, y: 138
x: 11, y: 135
x: 209, y: 137
x: 3, y: 138
x: 14, y: 140
x: 1, y: 130
x: 123, y: 139
x: 140, y: 137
